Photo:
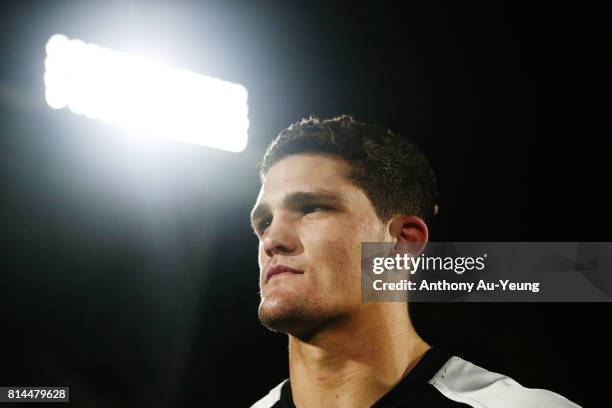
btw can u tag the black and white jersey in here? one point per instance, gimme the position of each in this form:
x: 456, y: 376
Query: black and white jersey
x: 441, y: 380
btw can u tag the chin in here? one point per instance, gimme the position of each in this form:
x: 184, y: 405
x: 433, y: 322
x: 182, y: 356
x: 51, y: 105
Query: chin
x: 279, y: 314
x: 299, y: 317
x: 291, y: 316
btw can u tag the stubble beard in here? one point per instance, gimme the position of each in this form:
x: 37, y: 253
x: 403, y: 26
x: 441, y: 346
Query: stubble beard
x: 301, y: 318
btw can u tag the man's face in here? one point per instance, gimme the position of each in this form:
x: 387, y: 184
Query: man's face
x: 309, y: 217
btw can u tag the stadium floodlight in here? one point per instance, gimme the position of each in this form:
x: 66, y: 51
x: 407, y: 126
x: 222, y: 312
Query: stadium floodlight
x: 145, y: 96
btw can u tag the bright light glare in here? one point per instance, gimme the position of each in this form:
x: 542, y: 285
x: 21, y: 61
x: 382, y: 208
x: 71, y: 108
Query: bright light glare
x: 145, y: 96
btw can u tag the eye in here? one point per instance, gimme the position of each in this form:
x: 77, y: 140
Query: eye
x: 310, y: 208
x: 263, y: 224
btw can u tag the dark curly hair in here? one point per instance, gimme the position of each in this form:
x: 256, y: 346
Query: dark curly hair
x: 393, y: 173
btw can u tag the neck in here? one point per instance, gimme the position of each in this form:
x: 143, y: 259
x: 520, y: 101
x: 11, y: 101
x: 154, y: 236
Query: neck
x: 356, y: 362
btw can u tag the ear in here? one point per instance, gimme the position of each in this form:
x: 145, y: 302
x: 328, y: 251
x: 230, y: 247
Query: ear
x: 409, y: 231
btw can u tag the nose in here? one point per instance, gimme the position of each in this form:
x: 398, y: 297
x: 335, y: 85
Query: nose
x: 280, y: 239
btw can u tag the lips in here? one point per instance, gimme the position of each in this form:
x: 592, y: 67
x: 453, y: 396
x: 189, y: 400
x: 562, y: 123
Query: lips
x: 278, y: 269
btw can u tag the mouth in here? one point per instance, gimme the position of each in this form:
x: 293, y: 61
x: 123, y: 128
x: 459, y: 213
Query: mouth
x: 280, y: 270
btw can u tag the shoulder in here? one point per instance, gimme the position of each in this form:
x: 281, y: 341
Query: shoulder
x: 475, y: 386
x: 272, y: 398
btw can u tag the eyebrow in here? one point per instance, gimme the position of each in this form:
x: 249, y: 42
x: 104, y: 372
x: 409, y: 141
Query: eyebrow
x: 297, y: 199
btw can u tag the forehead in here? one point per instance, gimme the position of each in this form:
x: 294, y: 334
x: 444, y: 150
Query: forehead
x: 306, y: 173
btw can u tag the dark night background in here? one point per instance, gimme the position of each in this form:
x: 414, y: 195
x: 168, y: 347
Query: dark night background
x: 128, y: 268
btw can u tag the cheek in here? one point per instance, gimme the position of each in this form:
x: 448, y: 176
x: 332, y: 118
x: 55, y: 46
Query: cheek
x: 261, y: 256
x: 339, y: 251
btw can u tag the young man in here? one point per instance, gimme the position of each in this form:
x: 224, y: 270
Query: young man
x: 327, y: 186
